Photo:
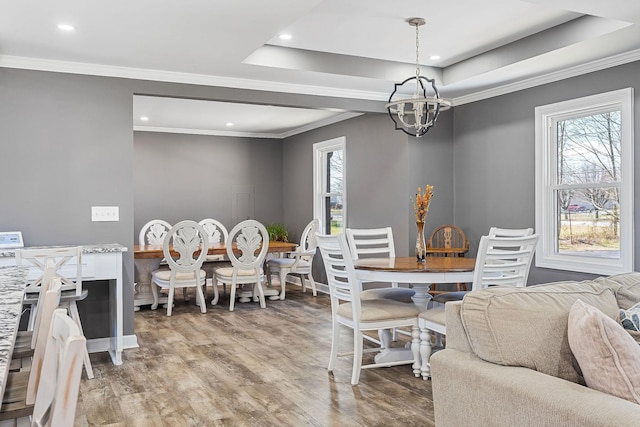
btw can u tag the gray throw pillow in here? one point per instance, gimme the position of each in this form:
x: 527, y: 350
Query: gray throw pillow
x: 630, y: 318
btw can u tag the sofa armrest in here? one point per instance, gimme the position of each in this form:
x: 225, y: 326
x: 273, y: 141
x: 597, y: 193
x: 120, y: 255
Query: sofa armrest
x: 469, y: 391
x: 456, y: 335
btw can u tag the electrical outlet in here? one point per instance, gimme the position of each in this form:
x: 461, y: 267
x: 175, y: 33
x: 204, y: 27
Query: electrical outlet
x: 105, y: 213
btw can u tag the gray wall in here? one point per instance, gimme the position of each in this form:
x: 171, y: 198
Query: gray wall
x: 179, y: 177
x: 66, y: 144
x: 494, y: 156
x: 384, y: 168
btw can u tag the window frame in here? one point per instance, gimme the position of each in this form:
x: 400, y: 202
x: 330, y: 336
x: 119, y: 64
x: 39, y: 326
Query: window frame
x: 320, y: 151
x: 546, y: 119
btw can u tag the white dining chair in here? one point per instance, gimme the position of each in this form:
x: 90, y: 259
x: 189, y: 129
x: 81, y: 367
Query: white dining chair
x: 494, y: 232
x: 251, y: 239
x: 22, y: 386
x: 217, y: 234
x: 501, y: 261
x: 188, y: 239
x: 349, y: 310
x: 25, y: 342
x: 153, y: 232
x: 376, y: 243
x: 68, y: 265
x: 299, y: 262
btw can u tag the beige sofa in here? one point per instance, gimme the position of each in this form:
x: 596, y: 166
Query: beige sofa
x: 508, y: 360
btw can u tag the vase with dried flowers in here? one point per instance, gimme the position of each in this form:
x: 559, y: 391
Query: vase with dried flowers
x: 420, y: 208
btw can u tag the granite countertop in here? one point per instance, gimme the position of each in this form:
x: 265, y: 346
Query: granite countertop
x: 86, y: 249
x: 13, y: 281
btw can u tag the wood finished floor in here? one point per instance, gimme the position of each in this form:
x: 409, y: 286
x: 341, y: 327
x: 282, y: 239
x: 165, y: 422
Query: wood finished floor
x: 250, y: 367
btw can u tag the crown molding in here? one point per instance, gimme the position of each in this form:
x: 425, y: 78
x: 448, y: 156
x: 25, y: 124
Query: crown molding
x: 320, y: 123
x: 264, y: 135
x: 261, y: 85
x: 597, y: 65
x: 38, y: 64
x: 209, y: 132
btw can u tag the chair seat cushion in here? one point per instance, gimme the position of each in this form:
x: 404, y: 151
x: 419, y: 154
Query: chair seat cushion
x: 380, y: 309
x: 287, y: 262
x: 166, y: 275
x: 450, y: 296
x: 396, y: 294
x: 31, y: 298
x: 228, y: 272
x: 435, y: 315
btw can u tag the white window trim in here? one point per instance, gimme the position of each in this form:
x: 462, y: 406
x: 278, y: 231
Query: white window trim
x: 320, y: 149
x: 546, y: 117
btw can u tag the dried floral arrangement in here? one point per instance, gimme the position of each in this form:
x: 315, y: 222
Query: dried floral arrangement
x: 422, y: 202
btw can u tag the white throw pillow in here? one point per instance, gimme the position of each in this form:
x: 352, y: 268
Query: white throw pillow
x: 606, y: 353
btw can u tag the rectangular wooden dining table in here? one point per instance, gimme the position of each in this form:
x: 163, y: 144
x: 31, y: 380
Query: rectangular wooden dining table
x: 147, y: 259
x: 13, y: 281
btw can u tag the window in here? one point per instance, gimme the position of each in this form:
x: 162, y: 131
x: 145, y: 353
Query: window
x: 329, y: 192
x: 584, y: 184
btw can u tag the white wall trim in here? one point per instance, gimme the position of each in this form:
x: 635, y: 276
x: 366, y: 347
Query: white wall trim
x: 97, y: 345
x: 306, y: 128
x: 8, y: 61
x: 597, y: 65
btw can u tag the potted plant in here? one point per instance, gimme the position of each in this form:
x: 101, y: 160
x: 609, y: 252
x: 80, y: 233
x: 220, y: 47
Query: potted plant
x: 277, y: 232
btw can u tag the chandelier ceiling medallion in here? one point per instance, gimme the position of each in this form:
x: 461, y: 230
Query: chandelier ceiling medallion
x: 416, y: 115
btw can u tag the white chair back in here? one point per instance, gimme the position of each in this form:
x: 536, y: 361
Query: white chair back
x: 503, y: 261
x: 153, y: 232
x: 250, y: 237
x: 371, y: 242
x: 308, y: 242
x: 216, y: 232
x: 57, y: 395
x: 510, y: 232
x: 190, y: 241
x: 64, y: 259
x: 338, y: 264
x: 46, y: 308
x: 47, y: 279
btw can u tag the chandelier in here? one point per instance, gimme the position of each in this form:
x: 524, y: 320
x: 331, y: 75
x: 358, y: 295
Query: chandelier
x: 416, y: 115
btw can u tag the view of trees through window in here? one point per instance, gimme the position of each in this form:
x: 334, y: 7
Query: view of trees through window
x: 588, y: 185
x: 334, y: 203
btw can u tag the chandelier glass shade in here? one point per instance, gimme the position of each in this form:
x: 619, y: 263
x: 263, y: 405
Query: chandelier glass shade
x: 416, y: 114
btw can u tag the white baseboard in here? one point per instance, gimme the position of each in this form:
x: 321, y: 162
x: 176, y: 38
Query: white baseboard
x: 97, y: 345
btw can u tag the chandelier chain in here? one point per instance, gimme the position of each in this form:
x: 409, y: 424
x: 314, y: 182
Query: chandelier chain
x: 417, y: 51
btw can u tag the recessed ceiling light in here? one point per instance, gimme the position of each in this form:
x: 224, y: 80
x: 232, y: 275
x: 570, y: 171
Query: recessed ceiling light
x: 434, y: 57
x: 144, y: 118
x: 229, y: 124
x: 285, y: 36
x: 66, y: 27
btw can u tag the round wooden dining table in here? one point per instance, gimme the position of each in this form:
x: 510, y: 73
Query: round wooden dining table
x: 420, y: 275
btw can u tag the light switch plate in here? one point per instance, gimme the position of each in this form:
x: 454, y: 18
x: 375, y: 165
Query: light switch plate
x: 105, y: 213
